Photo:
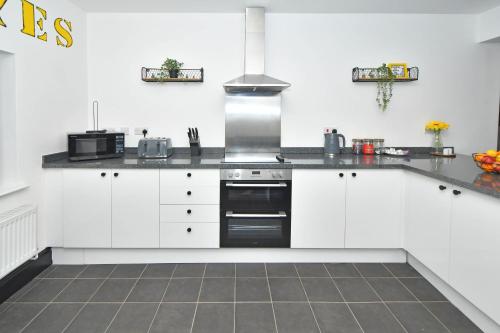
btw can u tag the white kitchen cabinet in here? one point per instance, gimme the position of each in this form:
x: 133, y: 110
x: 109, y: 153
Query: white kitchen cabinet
x: 190, y: 177
x: 428, y: 218
x: 475, y: 250
x: 374, y: 202
x: 135, y: 207
x: 189, y: 213
x: 189, y: 235
x: 194, y: 195
x: 87, y: 208
x: 318, y: 209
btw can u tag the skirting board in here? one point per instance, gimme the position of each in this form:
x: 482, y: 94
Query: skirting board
x: 148, y: 256
x: 485, y: 323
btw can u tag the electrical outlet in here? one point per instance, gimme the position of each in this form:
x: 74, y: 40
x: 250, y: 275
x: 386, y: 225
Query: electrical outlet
x: 138, y: 130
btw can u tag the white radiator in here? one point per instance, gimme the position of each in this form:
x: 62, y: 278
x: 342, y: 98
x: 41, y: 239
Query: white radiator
x: 18, y: 238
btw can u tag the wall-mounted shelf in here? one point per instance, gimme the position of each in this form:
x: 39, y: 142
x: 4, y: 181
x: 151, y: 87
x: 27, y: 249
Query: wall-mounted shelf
x: 369, y: 74
x: 161, y: 75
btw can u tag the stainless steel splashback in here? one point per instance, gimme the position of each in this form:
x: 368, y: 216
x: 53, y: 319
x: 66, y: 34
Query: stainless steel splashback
x: 253, y: 124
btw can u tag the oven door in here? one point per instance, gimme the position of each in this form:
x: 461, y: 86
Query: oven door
x: 264, y: 229
x: 256, y: 196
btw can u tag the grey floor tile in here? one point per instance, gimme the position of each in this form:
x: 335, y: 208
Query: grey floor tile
x: 252, y: 290
x: 159, y: 271
x: 312, y: 270
x: 54, y: 318
x: 97, y: 272
x: 46, y: 271
x: 321, y: 290
x: 214, y: 317
x: 295, y: 318
x: 287, y: 290
x: 217, y: 290
x: 375, y: 318
x: 66, y: 271
x: 148, y: 290
x: 422, y: 289
x: 452, y: 318
x: 132, y: 271
x: 21, y: 292
x: 4, y: 306
x: 189, y: 270
x: 356, y: 290
x: 335, y: 318
x: 134, y: 318
x: 342, y: 270
x: 45, y: 290
x: 18, y: 316
x: 114, y: 290
x: 94, y: 317
x: 415, y: 318
x: 281, y: 270
x: 220, y: 270
x: 174, y: 317
x: 254, y: 318
x: 373, y: 270
x: 250, y: 270
x: 390, y: 289
x: 79, y: 290
x: 402, y: 270
x: 183, y: 290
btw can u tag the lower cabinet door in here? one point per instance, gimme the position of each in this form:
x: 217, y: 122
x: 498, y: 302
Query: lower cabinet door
x: 318, y: 209
x: 135, y: 206
x: 475, y: 250
x: 374, y: 215
x: 189, y: 235
x: 87, y: 208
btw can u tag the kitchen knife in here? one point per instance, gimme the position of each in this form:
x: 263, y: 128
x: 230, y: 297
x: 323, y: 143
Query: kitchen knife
x: 197, y: 137
x: 189, y: 135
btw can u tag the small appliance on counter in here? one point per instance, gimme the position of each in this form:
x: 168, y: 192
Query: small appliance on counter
x: 332, y: 142
x: 155, y: 148
x: 95, y: 146
x: 194, y: 141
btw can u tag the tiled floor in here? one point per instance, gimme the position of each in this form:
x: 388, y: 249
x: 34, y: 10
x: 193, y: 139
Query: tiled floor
x: 219, y: 298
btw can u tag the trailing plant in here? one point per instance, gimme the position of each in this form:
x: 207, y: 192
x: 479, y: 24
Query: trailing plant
x: 385, y: 81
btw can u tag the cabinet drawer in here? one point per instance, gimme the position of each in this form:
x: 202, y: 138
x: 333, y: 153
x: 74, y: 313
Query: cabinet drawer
x: 189, y: 195
x: 189, y: 235
x: 189, y: 213
x: 170, y: 178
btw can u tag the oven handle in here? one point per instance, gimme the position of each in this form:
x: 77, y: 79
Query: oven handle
x: 279, y: 215
x: 231, y: 184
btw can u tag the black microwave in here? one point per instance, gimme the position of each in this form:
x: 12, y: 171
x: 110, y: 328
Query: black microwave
x: 95, y: 146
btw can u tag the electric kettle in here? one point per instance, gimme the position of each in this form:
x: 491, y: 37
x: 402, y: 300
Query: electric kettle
x: 332, y: 143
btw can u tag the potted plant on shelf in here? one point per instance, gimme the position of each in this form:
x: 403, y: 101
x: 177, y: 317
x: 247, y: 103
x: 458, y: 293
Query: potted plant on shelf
x: 385, y: 80
x: 172, y: 66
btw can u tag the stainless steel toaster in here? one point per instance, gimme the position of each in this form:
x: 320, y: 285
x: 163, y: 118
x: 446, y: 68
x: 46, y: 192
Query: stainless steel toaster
x: 155, y: 148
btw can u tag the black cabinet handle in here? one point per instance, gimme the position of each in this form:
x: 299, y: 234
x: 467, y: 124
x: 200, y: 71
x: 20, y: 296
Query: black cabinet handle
x: 188, y: 192
x: 341, y: 175
x: 189, y: 211
x: 116, y: 174
x: 354, y: 174
x: 456, y: 192
x: 188, y: 229
x: 442, y: 187
x: 103, y: 174
x: 189, y: 174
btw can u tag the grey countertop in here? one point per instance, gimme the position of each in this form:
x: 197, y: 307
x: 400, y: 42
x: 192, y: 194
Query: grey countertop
x: 460, y: 171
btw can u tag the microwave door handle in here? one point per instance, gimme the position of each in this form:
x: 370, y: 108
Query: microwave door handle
x: 231, y: 184
x: 233, y: 215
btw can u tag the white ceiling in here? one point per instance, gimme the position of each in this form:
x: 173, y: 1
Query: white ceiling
x: 292, y: 6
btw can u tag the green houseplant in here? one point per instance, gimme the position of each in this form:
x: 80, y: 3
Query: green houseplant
x: 172, y: 66
x: 385, y: 80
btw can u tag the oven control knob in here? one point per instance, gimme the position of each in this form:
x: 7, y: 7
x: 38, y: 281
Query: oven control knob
x: 237, y: 175
x: 230, y: 175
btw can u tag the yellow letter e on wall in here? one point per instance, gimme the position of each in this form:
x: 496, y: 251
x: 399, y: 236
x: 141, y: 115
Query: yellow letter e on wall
x: 29, y: 20
x: 2, y: 3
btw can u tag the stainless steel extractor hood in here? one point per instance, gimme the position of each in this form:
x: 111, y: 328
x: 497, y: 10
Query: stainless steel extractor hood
x: 254, y: 80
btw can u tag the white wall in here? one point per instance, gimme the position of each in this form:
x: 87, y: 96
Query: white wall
x: 489, y: 25
x: 315, y: 52
x: 51, y: 93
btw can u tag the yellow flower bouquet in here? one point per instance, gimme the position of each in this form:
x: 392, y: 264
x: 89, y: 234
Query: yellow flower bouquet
x: 436, y: 127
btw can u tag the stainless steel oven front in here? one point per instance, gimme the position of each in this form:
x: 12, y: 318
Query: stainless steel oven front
x: 255, y: 207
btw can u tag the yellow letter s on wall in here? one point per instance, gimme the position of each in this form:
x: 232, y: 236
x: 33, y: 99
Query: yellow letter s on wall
x: 65, y: 33
x: 2, y: 3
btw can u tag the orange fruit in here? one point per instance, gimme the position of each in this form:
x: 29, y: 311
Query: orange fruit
x: 488, y: 167
x: 478, y: 157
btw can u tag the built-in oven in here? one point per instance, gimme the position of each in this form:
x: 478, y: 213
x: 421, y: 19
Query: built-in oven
x: 255, y: 208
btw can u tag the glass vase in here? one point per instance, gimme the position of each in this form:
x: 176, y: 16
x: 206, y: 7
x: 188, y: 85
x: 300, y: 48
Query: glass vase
x: 437, y: 142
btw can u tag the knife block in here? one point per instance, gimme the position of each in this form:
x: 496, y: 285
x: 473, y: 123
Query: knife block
x: 195, y: 148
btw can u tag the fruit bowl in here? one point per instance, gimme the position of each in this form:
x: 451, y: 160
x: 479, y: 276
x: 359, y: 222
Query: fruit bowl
x: 487, y: 163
